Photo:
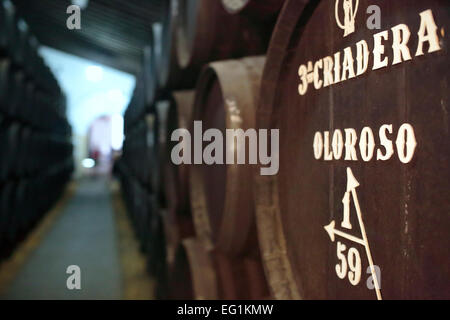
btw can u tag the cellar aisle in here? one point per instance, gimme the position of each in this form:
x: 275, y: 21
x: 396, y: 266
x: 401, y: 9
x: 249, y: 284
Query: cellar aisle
x: 84, y: 234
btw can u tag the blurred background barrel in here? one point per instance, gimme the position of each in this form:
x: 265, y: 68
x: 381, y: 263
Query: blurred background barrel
x: 350, y: 219
x: 169, y: 72
x: 177, y: 218
x: 36, y: 147
x: 206, y: 32
x: 203, y: 276
x: 181, y: 283
x: 221, y: 195
x: 261, y: 9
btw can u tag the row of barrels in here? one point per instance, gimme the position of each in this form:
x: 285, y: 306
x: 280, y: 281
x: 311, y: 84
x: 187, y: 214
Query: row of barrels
x: 357, y: 126
x: 35, y: 136
x: 168, y: 207
x: 193, y: 33
x: 164, y: 100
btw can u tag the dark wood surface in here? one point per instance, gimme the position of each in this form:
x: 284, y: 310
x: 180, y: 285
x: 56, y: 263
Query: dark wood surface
x: 405, y: 207
x: 206, y: 32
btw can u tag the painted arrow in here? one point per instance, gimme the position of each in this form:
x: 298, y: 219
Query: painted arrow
x: 332, y: 232
x: 352, y: 184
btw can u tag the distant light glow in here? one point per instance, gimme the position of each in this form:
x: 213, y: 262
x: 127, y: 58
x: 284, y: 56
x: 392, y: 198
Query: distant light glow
x: 94, y: 73
x: 117, y: 96
x: 81, y: 3
x: 88, y: 163
x: 117, y: 132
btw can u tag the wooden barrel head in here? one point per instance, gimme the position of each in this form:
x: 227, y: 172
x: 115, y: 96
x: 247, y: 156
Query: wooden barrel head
x: 177, y: 176
x: 221, y: 194
x: 178, y: 219
x: 359, y: 208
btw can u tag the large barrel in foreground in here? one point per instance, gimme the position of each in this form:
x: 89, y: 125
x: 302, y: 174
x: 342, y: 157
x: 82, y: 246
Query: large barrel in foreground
x: 360, y: 206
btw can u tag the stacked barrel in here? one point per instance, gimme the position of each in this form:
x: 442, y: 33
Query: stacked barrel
x: 354, y: 210
x: 36, y: 149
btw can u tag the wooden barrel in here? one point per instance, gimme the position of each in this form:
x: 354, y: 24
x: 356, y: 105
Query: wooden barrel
x: 221, y: 195
x: 150, y: 81
x: 11, y: 148
x: 156, y: 257
x: 170, y: 75
x: 161, y: 110
x: 17, y: 93
x: 180, y: 277
x: 19, y: 222
x: 143, y: 214
x: 31, y: 55
x: 178, y: 219
x: 4, y: 84
x: 3, y: 140
x: 203, y: 274
x: 177, y: 182
x: 240, y: 277
x: 216, y: 276
x: 206, y: 32
x: 151, y: 152
x: 27, y: 110
x: 6, y: 203
x: 137, y: 106
x: 257, y: 9
x: 21, y: 39
x: 359, y: 207
x: 23, y: 150
x: 7, y: 27
x: 44, y: 77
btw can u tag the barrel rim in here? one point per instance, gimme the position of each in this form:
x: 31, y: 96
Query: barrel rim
x: 234, y: 229
x: 268, y: 215
x: 195, y: 251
